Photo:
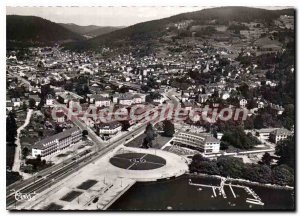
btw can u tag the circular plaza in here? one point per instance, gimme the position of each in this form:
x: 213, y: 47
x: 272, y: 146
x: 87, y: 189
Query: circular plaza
x: 146, y: 164
x: 137, y: 161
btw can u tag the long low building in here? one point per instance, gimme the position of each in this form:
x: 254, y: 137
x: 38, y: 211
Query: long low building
x: 203, y: 142
x: 57, y: 142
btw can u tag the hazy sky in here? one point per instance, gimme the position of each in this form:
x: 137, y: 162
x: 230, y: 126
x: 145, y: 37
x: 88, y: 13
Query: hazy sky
x: 102, y: 16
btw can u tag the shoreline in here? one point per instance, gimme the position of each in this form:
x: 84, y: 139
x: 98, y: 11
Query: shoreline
x: 269, y: 185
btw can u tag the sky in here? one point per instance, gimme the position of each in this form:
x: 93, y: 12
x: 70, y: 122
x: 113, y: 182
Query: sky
x: 103, y: 16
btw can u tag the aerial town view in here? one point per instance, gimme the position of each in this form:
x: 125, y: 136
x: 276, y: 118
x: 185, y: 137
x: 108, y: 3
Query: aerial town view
x: 157, y: 109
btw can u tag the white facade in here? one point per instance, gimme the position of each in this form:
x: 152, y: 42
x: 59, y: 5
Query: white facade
x: 206, y: 143
x: 243, y: 103
x: 102, y: 103
x: 108, y: 130
x: 49, y: 102
x: 57, y: 142
x: 279, y: 134
x: 126, y: 102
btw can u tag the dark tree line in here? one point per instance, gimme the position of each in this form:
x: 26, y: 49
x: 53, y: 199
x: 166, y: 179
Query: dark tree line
x: 235, y: 168
x: 11, y: 128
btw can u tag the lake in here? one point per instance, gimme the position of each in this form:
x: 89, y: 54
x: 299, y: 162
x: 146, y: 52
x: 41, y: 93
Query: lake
x: 177, y: 194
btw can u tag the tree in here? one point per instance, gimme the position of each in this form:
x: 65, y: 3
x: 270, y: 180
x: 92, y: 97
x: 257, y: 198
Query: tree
x: 230, y: 166
x: 85, y: 133
x: 145, y: 88
x: 283, y: 176
x: 11, y: 128
x: 168, y: 128
x: 236, y: 137
x: 258, y: 122
x: 266, y: 159
x: 25, y: 152
x: 150, y: 136
x: 68, y: 86
x: 125, y: 125
x: 244, y: 89
x: 58, y: 129
x: 82, y: 89
x: 31, y: 103
x: 258, y: 173
x: 224, y: 145
x: 24, y: 106
x: 285, y: 149
x: 251, y: 104
x: 206, y: 166
x: 123, y: 89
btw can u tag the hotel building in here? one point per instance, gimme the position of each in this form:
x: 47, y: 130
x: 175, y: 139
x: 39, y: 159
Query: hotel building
x: 202, y: 142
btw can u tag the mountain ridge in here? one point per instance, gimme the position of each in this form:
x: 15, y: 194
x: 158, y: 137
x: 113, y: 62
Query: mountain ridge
x: 34, y: 29
x: 145, y: 31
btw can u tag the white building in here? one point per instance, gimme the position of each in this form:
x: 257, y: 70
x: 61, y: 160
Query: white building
x: 9, y: 106
x: 225, y: 96
x: 49, y: 100
x: 279, y: 134
x: 57, y: 142
x: 60, y: 117
x: 243, y: 103
x: 203, y: 142
x: 101, y: 101
x: 108, y: 130
x: 16, y: 102
x: 138, y: 98
x: 125, y: 99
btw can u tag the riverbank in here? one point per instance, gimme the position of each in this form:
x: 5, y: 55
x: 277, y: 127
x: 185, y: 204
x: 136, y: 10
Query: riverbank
x: 244, y: 181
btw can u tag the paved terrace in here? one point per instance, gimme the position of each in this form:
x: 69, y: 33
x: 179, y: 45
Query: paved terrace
x: 110, y: 182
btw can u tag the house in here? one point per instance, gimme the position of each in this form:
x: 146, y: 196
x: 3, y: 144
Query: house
x: 99, y: 100
x: 243, y: 103
x: 187, y: 105
x: 9, y: 106
x: 102, y: 102
x: 125, y: 99
x: 115, y: 98
x: 260, y: 105
x: 276, y: 109
x: 108, y: 130
x: 264, y: 133
x: 225, y: 96
x: 60, y: 117
x: 138, y: 98
x: 202, y: 98
x: 16, y: 102
x: 90, y: 122
x: 184, y: 98
x: 66, y: 97
x: 49, y: 100
x: 279, y: 134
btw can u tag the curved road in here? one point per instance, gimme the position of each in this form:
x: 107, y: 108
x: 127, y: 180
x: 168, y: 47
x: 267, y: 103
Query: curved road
x: 17, y: 159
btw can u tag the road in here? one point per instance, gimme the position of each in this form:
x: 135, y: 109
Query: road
x: 17, y: 159
x: 57, y: 172
x: 172, y: 95
x: 64, y: 169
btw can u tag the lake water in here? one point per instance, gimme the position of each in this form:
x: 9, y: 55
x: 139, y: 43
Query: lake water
x: 177, y: 194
